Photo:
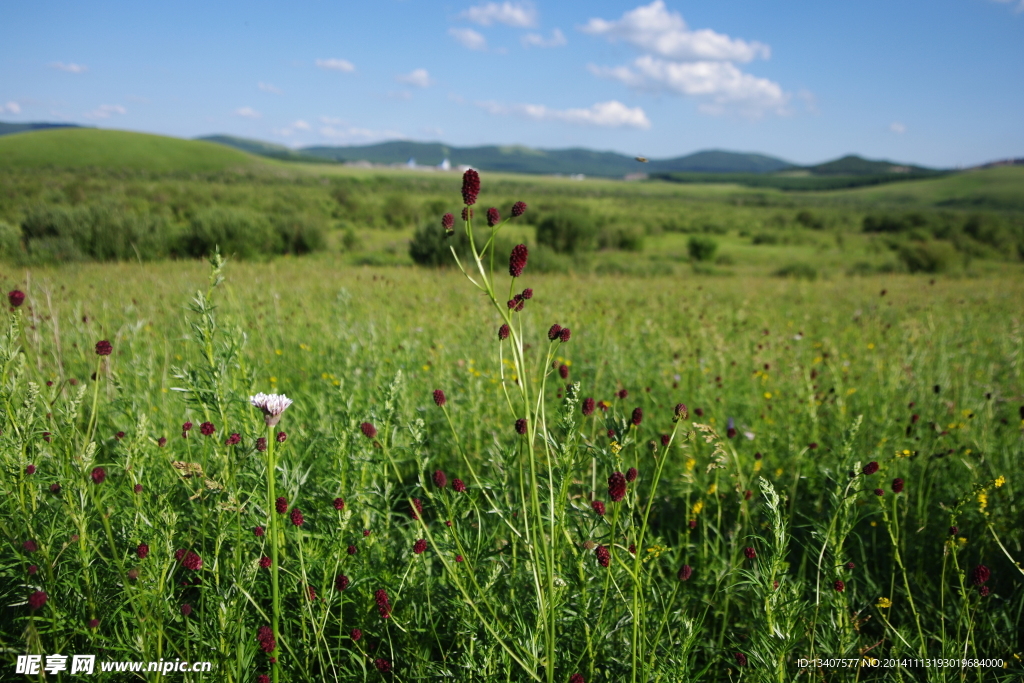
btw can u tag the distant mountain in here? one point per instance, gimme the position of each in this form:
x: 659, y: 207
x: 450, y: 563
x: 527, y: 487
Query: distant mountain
x: 266, y: 149
x: 8, y: 128
x: 852, y: 165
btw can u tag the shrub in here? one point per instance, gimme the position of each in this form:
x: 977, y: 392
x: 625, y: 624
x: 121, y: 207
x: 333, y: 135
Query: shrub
x: 430, y: 246
x: 809, y: 220
x: 799, y: 270
x: 10, y: 240
x: 238, y: 232
x: 626, y: 239
x: 701, y: 248
x: 567, y: 232
x: 927, y: 257
x: 301, y: 233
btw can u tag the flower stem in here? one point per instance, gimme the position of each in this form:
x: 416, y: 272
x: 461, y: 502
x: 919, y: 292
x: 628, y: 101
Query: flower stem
x: 271, y: 503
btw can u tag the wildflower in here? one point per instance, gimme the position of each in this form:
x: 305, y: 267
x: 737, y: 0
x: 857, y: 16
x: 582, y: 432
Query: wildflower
x: 30, y: 546
x: 850, y: 565
x: 192, y: 561
x: 518, y: 209
x: 186, y: 609
x: 207, y: 429
x: 750, y: 553
x: 680, y: 412
x: 265, y: 638
x: 980, y: 575
x: 103, y: 348
x: 665, y: 440
x: 281, y: 505
x: 311, y: 592
x: 879, y: 492
x: 839, y: 586
x: 258, y: 532
x: 37, y: 600
x: 699, y: 412
x: 419, y: 546
x: 296, y: 516
x: 439, y: 398
x: 638, y: 416
x: 564, y: 335
x: 521, y: 425
x: 17, y: 297
x: 984, y: 591
x: 30, y: 470
x: 383, y: 665
x: 263, y: 678
x: 98, y: 475
x: 883, y: 603
x: 470, y: 187
x: 741, y: 659
x: 32, y: 569
x: 467, y: 213
x: 1000, y: 480
x: 493, y: 217
x: 577, y: 678
x: 119, y: 436
x: 261, y: 444
x: 527, y: 294
x: 730, y: 430
x: 366, y: 532
x: 598, y: 507
x: 503, y: 333
x: 563, y: 371
x: 517, y: 260
x: 142, y: 551
x: 954, y: 530
x: 588, y: 406
x: 416, y: 509
x: 448, y: 222
x: 356, y: 634
x: 281, y: 437
x: 458, y: 558
x: 341, y: 583
x: 897, y: 485
x: 93, y: 623
x: 871, y: 467
x: 603, y: 556
x: 458, y: 485
x: 383, y: 605
x: 54, y: 487
x: 685, y: 572
x: 352, y: 550
x: 161, y: 442
x: 622, y: 393
x: 693, y: 524
x: 235, y: 438
x: 616, y: 487
x: 265, y: 562
x: 369, y: 431
x: 631, y: 474
x: 554, y: 331
x: 440, y: 479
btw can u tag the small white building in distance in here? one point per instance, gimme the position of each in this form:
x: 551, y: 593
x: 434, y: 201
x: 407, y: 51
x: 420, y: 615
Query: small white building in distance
x: 445, y: 165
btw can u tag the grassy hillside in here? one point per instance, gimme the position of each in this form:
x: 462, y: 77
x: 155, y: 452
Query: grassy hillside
x: 76, y: 148
x: 852, y: 165
x: 266, y: 149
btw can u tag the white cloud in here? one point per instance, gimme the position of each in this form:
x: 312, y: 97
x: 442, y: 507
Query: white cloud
x: 70, y: 67
x: 897, y: 127
x: 331, y: 120
x: 290, y: 130
x: 612, y: 114
x: 10, y: 108
x: 418, y: 77
x: 356, y: 134
x: 1020, y: 4
x: 653, y: 28
x: 537, y: 40
x: 105, y: 111
x: 517, y: 14
x: 300, y: 125
x: 247, y: 113
x: 468, y: 38
x: 267, y: 87
x: 432, y: 130
x: 336, y: 65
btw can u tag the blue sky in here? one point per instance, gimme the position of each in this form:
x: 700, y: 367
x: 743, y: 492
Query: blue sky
x: 936, y: 82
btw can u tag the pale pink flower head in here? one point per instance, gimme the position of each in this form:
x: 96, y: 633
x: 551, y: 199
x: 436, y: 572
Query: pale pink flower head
x: 272, y: 406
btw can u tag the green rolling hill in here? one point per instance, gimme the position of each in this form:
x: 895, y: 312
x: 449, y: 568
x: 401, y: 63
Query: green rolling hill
x: 75, y: 148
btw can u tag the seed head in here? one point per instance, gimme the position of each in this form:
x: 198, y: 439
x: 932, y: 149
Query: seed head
x: 685, y: 572
x: 839, y: 586
x: 563, y: 371
x: 311, y: 592
x: 741, y: 659
x: 103, y: 348
x: 631, y: 474
x: 272, y: 406
x: 262, y: 678
x: 616, y: 487
x: 440, y: 479
x: 32, y: 569
x: 265, y: 638
x: 142, y: 551
x: 281, y: 437
x: 185, y: 428
x: 297, y: 518
x: 681, y: 413
x: 54, y: 487
x: 369, y: 431
x: 588, y: 406
x: 638, y: 416
x: 954, y: 530
x: 470, y: 187
x: 459, y: 558
x: 879, y: 492
x: 458, y: 485
x: 980, y: 575
x: 467, y: 213
x: 527, y: 294
x: 750, y: 553
x: 448, y: 222
x: 186, y: 609
x: 119, y: 436
x: 493, y: 217
x: 598, y: 507
x: 356, y: 634
x: 554, y: 331
x: 17, y: 297
x: 341, y: 583
x: 30, y: 546
x: 232, y: 440
x: 984, y: 591
x: 419, y: 546
x: 416, y: 510
x: 603, y: 556
x: 281, y: 505
x: 30, y: 470
x: 258, y: 532
x: 98, y: 475
x: 871, y: 467
x: 207, y: 429
x: 564, y: 335
x: 576, y: 678
x: 37, y: 600
x: 192, y: 561
x: 161, y: 442
x: 521, y: 425
x: 339, y: 504
x: 518, y: 209
x: 897, y: 485
x: 265, y: 562
x: 383, y: 605
x: 666, y: 439
x: 352, y: 550
x: 517, y: 260
x: 383, y: 665
x: 439, y: 398
x: 850, y: 565
x: 503, y: 333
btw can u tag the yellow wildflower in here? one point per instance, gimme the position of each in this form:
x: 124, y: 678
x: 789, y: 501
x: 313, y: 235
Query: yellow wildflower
x: 690, y: 464
x: 884, y: 603
x: 757, y: 465
x: 697, y: 507
x: 982, y: 500
x: 768, y: 394
x: 1000, y: 481
x: 712, y: 489
x: 616, y: 447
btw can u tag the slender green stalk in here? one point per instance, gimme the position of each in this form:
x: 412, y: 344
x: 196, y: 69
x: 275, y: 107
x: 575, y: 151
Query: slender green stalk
x: 275, y: 569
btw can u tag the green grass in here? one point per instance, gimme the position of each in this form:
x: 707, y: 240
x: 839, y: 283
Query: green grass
x: 118, y: 150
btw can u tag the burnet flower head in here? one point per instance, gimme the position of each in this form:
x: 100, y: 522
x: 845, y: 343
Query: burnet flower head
x: 272, y: 406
